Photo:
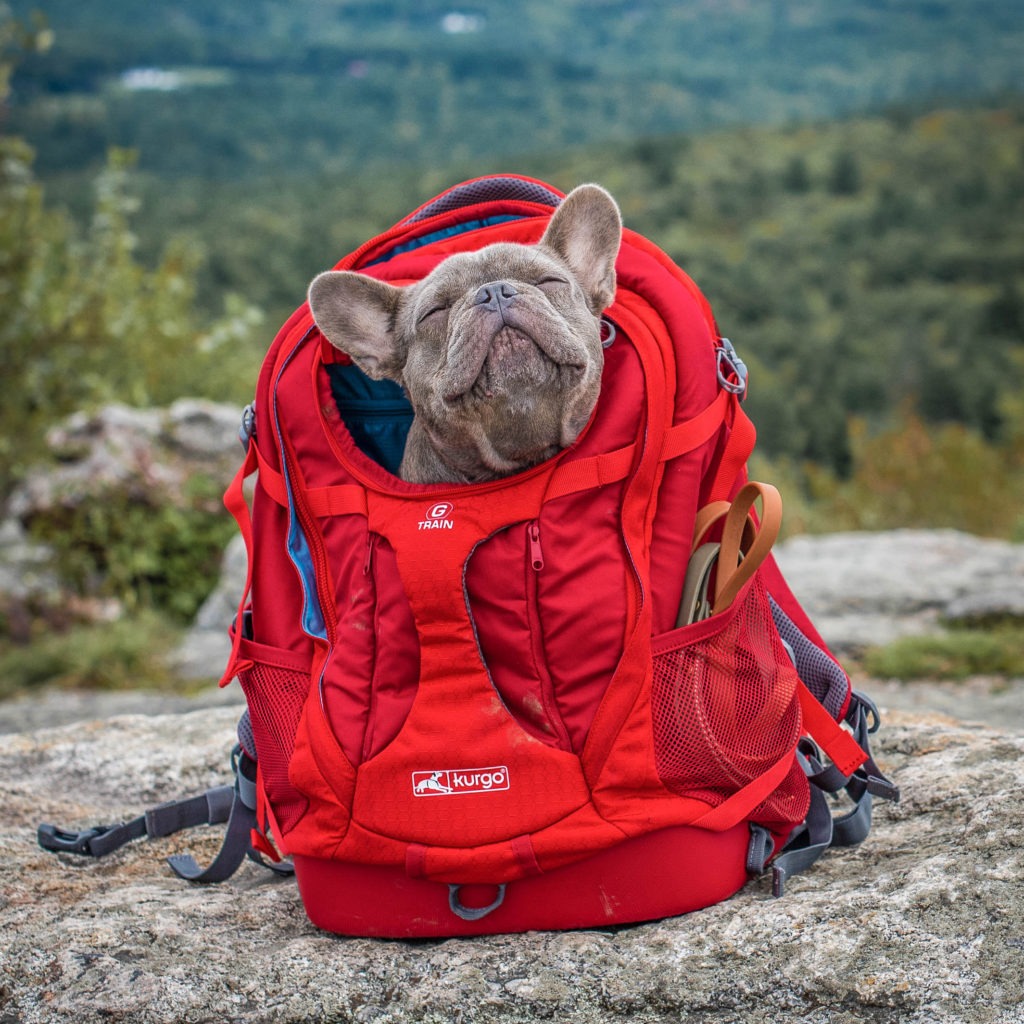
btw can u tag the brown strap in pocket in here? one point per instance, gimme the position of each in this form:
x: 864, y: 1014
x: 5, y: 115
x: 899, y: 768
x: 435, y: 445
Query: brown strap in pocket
x: 745, y: 544
x: 739, y: 559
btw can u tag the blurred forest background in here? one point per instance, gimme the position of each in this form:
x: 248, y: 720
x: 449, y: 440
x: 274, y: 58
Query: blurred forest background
x: 844, y: 181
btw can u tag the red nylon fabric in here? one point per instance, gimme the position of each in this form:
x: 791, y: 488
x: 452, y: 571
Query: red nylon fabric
x: 480, y: 703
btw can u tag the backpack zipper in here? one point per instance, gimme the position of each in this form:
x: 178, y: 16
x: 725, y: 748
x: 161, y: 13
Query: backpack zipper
x: 535, y: 557
x: 536, y: 553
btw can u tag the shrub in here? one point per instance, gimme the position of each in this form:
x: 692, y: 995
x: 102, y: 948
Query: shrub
x: 955, y: 655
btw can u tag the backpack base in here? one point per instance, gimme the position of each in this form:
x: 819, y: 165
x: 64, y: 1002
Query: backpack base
x: 662, y: 874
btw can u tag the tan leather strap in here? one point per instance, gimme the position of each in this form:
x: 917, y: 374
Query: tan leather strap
x: 738, y: 563
x: 706, y: 518
x: 713, y: 513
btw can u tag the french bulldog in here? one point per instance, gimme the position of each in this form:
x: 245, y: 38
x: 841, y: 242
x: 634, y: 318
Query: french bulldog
x: 499, y: 350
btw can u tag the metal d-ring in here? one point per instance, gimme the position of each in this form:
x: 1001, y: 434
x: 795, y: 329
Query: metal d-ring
x: 472, y: 913
x: 608, y: 332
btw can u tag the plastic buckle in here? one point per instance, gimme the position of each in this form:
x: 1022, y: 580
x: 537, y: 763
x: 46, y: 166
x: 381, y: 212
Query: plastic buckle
x: 60, y: 840
x: 248, y: 425
x: 732, y: 371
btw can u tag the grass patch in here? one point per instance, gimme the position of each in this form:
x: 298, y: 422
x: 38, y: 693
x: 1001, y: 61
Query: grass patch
x: 958, y: 654
x: 127, y: 654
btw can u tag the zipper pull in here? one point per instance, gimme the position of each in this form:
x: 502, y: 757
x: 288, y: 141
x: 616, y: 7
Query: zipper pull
x: 536, y: 554
x: 367, y: 565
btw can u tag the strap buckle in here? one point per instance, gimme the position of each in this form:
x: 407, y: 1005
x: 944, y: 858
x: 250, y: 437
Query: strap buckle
x: 732, y: 371
x: 59, y: 840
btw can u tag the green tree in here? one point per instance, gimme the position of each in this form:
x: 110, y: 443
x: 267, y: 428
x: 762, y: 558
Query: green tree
x: 845, y: 177
x: 83, y: 322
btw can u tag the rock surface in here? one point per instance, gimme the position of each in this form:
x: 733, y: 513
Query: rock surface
x: 204, y: 650
x: 137, y: 450
x: 867, y: 589
x: 922, y: 923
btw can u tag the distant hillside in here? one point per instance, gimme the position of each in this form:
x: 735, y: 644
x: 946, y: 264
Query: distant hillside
x: 249, y: 88
x: 858, y: 264
x: 864, y: 264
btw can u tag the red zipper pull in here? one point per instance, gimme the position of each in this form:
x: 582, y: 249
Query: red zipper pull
x: 369, y: 555
x: 536, y: 554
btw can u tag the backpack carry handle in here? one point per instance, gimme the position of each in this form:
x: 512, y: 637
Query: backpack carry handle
x: 718, y: 571
x: 744, y: 561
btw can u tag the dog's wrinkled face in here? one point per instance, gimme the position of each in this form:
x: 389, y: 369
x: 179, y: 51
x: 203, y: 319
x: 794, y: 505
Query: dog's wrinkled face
x: 499, y: 350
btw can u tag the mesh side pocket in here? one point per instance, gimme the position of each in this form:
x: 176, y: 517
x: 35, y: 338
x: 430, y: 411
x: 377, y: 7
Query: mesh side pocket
x: 275, y: 688
x: 725, y: 709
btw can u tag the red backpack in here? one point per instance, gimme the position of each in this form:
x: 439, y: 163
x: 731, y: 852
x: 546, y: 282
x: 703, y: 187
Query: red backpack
x: 579, y: 696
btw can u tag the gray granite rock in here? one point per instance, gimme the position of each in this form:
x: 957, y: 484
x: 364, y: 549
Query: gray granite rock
x: 135, y: 450
x: 922, y: 924
x: 149, y: 455
x: 204, y: 650
x: 867, y: 589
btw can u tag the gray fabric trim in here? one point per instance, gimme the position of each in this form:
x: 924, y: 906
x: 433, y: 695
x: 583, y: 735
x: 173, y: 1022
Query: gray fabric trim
x: 246, y: 737
x: 821, y: 674
x: 486, y: 190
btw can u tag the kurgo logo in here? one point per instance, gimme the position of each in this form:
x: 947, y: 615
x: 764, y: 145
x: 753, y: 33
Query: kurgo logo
x: 455, y: 782
x: 438, y: 517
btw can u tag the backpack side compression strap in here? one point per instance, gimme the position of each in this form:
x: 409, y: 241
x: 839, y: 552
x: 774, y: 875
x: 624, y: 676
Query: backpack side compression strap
x: 210, y: 808
x: 234, y: 804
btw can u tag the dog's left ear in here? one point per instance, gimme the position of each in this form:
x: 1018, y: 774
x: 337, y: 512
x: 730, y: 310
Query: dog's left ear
x: 586, y: 231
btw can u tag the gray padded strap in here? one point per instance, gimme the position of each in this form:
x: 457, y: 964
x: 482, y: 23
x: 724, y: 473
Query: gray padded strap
x: 808, y: 843
x: 241, y: 821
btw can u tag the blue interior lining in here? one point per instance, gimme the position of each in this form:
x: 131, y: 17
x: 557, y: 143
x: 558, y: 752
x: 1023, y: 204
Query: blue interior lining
x: 376, y: 413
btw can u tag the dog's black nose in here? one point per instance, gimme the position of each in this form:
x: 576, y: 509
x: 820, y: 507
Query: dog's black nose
x: 494, y: 295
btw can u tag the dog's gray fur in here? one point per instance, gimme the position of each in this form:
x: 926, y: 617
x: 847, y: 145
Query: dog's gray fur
x: 499, y: 350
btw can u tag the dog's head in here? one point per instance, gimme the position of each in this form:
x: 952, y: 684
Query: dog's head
x: 499, y: 350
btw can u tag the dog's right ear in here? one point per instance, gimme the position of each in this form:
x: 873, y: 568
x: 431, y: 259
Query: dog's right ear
x: 357, y: 314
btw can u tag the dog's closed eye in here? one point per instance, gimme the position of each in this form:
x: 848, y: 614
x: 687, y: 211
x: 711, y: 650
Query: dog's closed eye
x: 552, y: 283
x: 438, y: 310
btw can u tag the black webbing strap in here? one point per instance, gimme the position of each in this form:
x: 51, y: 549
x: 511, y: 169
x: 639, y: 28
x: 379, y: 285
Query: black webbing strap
x: 822, y: 829
x: 237, y: 839
x: 806, y: 845
x: 210, y: 808
x: 234, y: 804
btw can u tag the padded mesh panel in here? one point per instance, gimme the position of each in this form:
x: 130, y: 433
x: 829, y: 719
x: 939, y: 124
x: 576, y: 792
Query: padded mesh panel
x: 820, y: 673
x: 485, y: 191
x: 725, y: 711
x: 275, y: 697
